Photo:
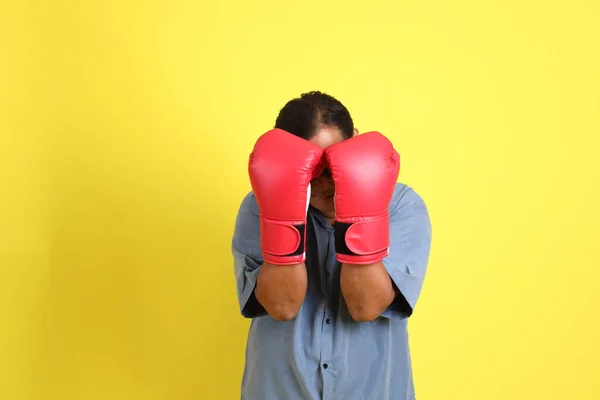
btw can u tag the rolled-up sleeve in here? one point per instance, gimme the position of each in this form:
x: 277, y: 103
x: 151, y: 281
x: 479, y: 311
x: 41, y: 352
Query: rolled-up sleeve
x: 247, y: 256
x: 410, y: 243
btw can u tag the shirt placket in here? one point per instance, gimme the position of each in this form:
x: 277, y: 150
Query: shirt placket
x: 327, y: 367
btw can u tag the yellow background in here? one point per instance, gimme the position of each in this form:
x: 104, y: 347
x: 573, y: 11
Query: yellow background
x: 125, y: 129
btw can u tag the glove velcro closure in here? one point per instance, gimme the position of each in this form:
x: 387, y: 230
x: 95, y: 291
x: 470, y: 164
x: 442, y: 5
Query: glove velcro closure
x: 364, y: 241
x: 282, y: 242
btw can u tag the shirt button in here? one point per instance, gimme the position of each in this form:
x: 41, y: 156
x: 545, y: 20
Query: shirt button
x: 327, y: 321
x: 325, y: 366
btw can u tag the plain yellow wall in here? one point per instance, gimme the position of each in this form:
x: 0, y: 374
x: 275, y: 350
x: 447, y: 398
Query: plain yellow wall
x: 125, y: 131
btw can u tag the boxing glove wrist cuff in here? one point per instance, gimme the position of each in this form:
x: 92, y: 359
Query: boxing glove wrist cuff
x: 362, y: 242
x: 282, y: 242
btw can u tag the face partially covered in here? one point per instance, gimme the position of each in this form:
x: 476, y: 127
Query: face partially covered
x: 323, y: 188
x: 322, y: 193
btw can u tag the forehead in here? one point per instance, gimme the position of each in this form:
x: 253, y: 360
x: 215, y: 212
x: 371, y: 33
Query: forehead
x: 326, y: 136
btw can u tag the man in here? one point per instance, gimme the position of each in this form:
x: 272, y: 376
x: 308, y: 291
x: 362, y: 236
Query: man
x: 330, y: 254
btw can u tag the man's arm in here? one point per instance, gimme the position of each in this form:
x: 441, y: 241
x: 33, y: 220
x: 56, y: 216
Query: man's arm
x: 263, y: 288
x: 368, y: 290
x: 365, y: 170
x: 392, y: 286
x: 281, y: 289
x: 281, y: 167
x: 383, y: 232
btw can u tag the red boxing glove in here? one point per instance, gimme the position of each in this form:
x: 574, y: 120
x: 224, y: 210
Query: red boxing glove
x: 365, y: 170
x: 281, y: 168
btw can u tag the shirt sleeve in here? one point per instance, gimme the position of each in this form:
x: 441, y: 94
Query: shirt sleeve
x: 247, y: 256
x: 410, y: 243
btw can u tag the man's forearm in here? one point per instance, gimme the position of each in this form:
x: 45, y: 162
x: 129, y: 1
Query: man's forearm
x: 368, y: 290
x: 281, y: 289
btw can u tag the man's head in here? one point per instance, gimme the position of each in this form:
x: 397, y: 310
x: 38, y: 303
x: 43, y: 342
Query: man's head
x: 323, y: 120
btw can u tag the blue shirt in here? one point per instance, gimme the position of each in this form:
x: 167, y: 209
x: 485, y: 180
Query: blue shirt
x: 323, y: 353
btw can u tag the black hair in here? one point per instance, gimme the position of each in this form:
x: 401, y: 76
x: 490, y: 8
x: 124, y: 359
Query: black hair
x: 305, y: 115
